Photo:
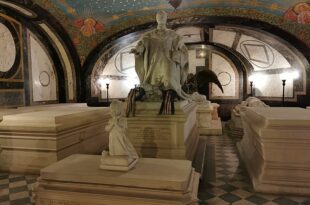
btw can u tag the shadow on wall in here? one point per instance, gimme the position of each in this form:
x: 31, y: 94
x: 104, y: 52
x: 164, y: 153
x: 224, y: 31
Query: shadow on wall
x: 148, y: 147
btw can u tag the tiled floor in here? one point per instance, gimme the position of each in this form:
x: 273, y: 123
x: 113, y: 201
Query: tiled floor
x: 225, y: 181
x: 16, y: 189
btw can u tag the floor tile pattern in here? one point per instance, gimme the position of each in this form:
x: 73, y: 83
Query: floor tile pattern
x: 16, y: 189
x: 225, y: 181
x: 229, y: 183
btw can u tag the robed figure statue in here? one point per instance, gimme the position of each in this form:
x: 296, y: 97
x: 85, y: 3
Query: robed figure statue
x: 161, y: 58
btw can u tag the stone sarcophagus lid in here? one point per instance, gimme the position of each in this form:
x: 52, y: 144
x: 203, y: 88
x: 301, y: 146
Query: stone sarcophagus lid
x: 78, y: 180
x: 275, y: 149
x: 34, y: 139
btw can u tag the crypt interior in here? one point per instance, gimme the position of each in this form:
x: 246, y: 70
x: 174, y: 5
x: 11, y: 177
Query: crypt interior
x: 62, y: 63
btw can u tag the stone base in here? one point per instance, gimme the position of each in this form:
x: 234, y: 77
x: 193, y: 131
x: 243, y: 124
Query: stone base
x: 275, y: 149
x: 116, y: 163
x: 164, y: 136
x: 208, y: 121
x: 37, y: 138
x: 233, y: 131
x: 78, y: 180
x: 214, y: 129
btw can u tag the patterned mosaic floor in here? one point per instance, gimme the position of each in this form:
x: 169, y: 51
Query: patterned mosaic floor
x: 16, y: 189
x: 225, y: 181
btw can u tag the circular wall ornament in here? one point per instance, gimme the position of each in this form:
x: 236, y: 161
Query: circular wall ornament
x: 44, y: 78
x: 7, y: 48
x: 224, y: 78
x: 258, y: 53
x: 125, y: 61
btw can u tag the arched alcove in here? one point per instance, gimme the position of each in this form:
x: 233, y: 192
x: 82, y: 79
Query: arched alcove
x: 48, y: 65
x: 209, y: 31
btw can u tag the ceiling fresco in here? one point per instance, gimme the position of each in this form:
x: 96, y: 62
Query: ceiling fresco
x: 88, y: 22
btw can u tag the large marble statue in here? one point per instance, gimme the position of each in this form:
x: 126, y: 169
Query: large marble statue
x: 122, y: 155
x: 161, y: 59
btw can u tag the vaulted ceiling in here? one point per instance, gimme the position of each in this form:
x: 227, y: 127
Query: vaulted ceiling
x: 90, y: 22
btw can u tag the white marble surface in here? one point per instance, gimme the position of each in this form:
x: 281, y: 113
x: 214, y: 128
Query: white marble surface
x: 164, y: 136
x: 228, y: 77
x: 43, y: 77
x: 37, y: 137
x: 275, y: 147
x: 271, y: 86
x: 190, y: 34
x: 7, y: 48
x: 261, y: 55
x: 193, y: 61
x: 77, y: 180
x: 64, y: 56
x: 209, y: 122
x: 226, y: 38
x: 121, y: 154
x: 121, y: 66
x: 145, y: 175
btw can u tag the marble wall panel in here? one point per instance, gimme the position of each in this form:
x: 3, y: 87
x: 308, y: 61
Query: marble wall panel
x: 227, y: 75
x: 271, y: 86
x: 119, y: 72
x: 261, y: 55
x: 69, y: 69
x: 191, y: 34
x: 12, y: 98
x: 193, y: 61
x: 43, y: 76
x: 226, y: 38
x: 7, y: 48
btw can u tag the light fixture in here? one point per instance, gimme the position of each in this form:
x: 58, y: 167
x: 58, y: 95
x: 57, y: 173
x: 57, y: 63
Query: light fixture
x: 287, y: 76
x: 101, y: 82
x: 107, y: 82
x: 284, y: 76
x: 201, y: 53
x: 104, y: 81
x: 283, y: 91
x: 251, y: 79
x: 258, y: 80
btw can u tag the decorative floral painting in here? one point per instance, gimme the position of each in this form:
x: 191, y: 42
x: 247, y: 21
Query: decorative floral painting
x: 300, y: 13
x: 88, y: 26
x: 90, y: 22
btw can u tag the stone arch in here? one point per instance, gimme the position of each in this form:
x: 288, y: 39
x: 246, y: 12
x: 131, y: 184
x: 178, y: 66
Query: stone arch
x: 202, y: 21
x: 57, y: 43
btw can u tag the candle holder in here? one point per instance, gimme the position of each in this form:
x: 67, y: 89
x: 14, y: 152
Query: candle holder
x: 251, y: 85
x: 283, y: 90
x: 107, y: 85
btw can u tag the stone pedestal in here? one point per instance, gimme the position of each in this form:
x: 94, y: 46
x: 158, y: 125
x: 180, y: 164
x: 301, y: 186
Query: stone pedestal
x: 35, y: 139
x: 208, y: 121
x: 275, y: 149
x: 164, y: 136
x: 78, y: 180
